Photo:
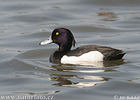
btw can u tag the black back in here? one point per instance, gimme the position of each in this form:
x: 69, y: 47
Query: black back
x: 108, y: 52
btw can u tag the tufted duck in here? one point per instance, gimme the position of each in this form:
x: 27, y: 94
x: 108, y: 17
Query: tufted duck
x: 65, y: 40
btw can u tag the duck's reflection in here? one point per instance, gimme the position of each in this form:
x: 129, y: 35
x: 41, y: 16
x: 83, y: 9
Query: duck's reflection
x: 62, y: 81
x: 68, y: 83
x: 82, y: 76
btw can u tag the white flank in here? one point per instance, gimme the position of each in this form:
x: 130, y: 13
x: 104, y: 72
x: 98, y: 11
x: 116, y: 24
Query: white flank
x: 93, y: 56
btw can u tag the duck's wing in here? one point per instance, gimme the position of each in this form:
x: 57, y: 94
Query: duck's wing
x: 108, y: 52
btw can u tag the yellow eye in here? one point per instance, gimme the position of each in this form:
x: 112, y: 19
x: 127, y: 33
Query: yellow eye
x: 57, y: 33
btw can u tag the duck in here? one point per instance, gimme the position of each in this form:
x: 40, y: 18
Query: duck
x: 64, y: 38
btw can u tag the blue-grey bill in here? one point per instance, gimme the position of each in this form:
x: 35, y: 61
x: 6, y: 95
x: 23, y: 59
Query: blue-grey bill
x: 46, y: 41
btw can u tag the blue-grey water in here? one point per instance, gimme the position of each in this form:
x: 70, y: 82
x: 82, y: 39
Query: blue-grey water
x: 24, y: 66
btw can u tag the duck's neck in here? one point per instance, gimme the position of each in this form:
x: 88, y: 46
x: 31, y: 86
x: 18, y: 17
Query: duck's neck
x: 64, y: 48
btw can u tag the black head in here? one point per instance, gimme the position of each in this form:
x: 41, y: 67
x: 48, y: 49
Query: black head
x: 63, y: 37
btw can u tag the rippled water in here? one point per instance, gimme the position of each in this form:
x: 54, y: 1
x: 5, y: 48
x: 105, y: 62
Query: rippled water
x: 25, y: 69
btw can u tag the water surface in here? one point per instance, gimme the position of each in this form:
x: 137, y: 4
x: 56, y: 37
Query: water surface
x: 25, y: 69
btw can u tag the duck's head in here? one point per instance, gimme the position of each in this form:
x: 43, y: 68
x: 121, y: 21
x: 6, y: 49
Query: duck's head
x: 61, y: 36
